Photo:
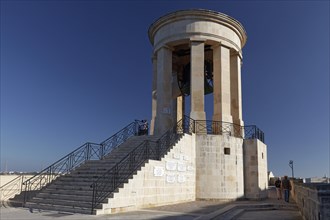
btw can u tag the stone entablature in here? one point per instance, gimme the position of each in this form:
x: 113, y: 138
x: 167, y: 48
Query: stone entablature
x: 197, y: 24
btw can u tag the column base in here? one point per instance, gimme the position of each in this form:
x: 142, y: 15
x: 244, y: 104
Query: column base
x: 238, y: 128
x: 200, y: 122
x: 198, y: 116
x: 222, y: 124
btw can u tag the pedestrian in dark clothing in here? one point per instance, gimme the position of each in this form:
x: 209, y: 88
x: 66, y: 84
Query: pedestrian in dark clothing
x: 143, y: 127
x: 278, y: 185
x: 286, y: 186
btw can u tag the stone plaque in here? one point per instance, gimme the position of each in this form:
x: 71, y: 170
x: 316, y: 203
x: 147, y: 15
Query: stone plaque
x: 182, y: 167
x: 171, y: 165
x: 181, y: 178
x: 190, y: 168
x: 159, y: 171
x: 170, y: 178
x: 186, y: 157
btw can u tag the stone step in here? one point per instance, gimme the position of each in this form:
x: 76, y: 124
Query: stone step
x: 61, y: 208
x: 73, y: 192
x: 69, y: 192
x: 74, y: 202
x: 57, y: 195
x: 69, y: 187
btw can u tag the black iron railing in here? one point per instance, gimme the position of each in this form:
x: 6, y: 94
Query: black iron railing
x: 253, y: 132
x: 116, y: 176
x: 119, y: 174
x: 88, y: 151
x: 226, y: 128
x: 11, y: 188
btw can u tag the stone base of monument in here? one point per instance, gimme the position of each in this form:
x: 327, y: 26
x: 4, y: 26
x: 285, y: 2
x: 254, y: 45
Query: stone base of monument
x: 198, y: 167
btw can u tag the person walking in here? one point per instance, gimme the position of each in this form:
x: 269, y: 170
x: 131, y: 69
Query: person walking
x: 278, y: 186
x: 286, y: 186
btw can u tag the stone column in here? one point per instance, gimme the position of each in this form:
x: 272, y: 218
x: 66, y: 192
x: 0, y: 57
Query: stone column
x: 179, y: 109
x: 221, y: 82
x: 197, y: 79
x: 236, y: 93
x: 154, y: 94
x: 164, y: 119
x: 216, y: 125
x: 216, y: 83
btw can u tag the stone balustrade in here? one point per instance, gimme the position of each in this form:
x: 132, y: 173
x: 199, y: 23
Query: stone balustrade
x: 313, y: 199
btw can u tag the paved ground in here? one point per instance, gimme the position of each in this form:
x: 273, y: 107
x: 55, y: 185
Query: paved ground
x: 270, y: 209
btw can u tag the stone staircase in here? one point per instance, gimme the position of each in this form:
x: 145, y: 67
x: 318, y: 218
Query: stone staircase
x: 72, y: 192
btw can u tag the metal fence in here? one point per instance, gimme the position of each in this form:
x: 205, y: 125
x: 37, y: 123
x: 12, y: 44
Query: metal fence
x: 88, y: 151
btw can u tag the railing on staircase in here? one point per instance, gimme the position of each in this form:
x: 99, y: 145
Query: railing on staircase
x: 112, y: 179
x: 116, y: 176
x: 11, y: 188
x: 88, y: 151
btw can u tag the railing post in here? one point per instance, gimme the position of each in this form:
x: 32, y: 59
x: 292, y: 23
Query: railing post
x: 88, y: 151
x: 93, y: 198
x: 22, y: 181
x: 101, y: 151
x: 158, y: 149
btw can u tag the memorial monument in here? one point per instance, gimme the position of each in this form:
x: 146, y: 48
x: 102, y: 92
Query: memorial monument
x: 186, y: 157
x: 195, y: 53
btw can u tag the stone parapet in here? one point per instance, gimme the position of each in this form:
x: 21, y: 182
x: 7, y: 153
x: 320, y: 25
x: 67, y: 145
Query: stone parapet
x: 313, y: 199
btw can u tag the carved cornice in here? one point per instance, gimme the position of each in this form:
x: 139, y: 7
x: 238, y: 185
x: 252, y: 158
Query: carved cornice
x: 201, y: 15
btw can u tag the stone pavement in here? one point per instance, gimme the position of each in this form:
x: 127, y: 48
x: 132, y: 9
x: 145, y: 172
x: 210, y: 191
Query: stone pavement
x: 270, y: 209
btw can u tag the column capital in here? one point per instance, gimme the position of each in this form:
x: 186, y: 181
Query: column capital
x: 216, y: 45
x: 165, y: 47
x: 154, y: 57
x: 197, y: 39
x: 236, y: 53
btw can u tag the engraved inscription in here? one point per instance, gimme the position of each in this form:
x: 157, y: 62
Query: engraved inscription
x: 159, y: 171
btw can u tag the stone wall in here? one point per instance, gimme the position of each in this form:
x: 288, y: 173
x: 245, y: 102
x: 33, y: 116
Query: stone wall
x: 255, y: 169
x: 313, y: 199
x: 219, y: 167
x: 197, y: 167
x: 169, y: 181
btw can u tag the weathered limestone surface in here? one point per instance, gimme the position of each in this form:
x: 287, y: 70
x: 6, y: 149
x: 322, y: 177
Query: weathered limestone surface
x: 255, y: 169
x: 169, y: 181
x: 219, y: 175
x: 313, y: 199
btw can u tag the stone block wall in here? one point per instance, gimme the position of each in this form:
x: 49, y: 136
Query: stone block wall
x: 313, y: 199
x: 169, y: 181
x: 219, y: 167
x: 198, y: 167
x: 255, y: 169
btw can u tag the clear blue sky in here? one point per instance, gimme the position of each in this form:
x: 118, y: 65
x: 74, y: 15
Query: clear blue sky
x: 78, y: 71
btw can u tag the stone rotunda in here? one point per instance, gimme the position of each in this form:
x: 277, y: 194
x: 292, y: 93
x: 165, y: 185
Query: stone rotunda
x: 196, y: 52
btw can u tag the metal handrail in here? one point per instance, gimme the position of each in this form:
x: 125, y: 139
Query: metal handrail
x: 11, y: 188
x: 227, y: 128
x: 88, y: 151
x: 117, y: 175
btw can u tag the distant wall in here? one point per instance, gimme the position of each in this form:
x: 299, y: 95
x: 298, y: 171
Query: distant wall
x: 313, y: 199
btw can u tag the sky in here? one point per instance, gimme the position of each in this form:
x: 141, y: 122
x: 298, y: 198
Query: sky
x: 79, y: 71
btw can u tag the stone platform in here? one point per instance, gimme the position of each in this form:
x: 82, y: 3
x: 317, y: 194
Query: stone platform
x: 270, y: 209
